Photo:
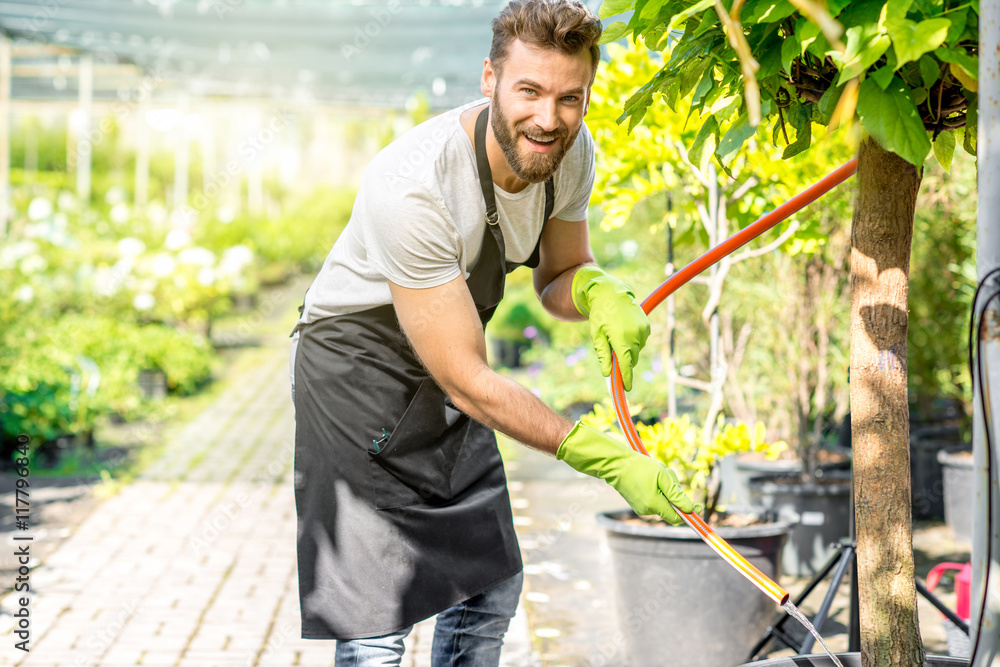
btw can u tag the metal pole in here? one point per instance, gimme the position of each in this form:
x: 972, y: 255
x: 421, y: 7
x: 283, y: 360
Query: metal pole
x: 5, y: 72
x: 141, y: 194
x: 182, y: 154
x: 85, y: 142
x: 986, y: 538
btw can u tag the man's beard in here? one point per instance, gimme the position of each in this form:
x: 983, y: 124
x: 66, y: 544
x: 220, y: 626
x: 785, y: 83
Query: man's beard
x: 528, y: 165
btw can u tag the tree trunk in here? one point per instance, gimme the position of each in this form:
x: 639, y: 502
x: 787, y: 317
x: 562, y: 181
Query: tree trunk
x: 880, y: 263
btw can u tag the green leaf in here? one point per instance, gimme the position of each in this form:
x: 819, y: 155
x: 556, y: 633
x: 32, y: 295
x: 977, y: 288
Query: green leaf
x: 698, y: 155
x: 930, y: 70
x: 828, y: 103
x: 683, y: 16
x: 960, y: 57
x: 890, y: 116
x: 910, y: 40
x: 651, y: 9
x: 767, y: 11
x: 882, y: 77
x: 769, y: 60
x: 944, y: 149
x: 865, y: 45
x: 799, y: 119
x: 959, y: 19
x: 895, y: 11
x: 970, y: 143
x: 705, y: 85
x: 614, y: 7
x: 614, y: 32
x: 790, y: 50
x: 733, y: 140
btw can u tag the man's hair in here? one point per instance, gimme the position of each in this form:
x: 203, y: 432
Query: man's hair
x: 567, y: 26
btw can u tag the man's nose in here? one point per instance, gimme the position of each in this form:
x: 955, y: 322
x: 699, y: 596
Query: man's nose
x: 546, y: 117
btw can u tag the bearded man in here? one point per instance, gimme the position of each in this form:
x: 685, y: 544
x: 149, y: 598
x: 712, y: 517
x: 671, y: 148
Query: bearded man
x: 400, y: 490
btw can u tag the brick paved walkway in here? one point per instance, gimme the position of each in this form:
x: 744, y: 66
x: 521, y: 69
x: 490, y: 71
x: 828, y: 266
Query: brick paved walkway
x: 193, y: 564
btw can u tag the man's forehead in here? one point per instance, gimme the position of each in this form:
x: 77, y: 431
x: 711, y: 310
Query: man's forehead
x: 537, y: 64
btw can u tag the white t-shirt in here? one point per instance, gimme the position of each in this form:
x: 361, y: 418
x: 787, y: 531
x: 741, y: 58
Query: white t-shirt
x: 419, y: 217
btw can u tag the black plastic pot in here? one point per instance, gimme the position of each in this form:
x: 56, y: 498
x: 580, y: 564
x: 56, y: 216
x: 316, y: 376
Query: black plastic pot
x: 678, y: 602
x: 736, y: 471
x: 926, y: 481
x: 849, y: 660
x: 958, y: 471
x: 819, y: 512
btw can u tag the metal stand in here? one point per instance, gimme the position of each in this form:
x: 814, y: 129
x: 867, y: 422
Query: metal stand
x: 844, y: 558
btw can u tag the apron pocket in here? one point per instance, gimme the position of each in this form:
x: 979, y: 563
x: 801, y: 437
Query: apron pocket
x: 420, y: 453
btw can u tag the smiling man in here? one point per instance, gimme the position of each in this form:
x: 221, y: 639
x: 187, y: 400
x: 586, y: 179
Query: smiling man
x: 399, y: 487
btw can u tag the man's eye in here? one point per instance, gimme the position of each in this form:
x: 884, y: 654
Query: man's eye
x: 527, y: 91
x: 572, y: 99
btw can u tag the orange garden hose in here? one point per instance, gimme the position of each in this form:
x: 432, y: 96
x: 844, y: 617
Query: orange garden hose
x: 793, y: 205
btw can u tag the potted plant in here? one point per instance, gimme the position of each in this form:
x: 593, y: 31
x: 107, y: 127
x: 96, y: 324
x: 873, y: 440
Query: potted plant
x: 675, y: 596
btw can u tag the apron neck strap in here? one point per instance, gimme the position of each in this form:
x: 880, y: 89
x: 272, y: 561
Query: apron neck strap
x: 483, y: 163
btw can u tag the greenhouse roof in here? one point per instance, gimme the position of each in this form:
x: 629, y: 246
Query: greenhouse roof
x: 370, y: 54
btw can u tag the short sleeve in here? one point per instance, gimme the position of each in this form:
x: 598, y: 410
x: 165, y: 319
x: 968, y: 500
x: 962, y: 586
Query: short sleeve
x: 580, y: 180
x: 409, y: 238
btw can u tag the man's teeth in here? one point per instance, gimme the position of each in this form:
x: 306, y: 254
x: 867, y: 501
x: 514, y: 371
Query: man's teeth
x: 537, y: 140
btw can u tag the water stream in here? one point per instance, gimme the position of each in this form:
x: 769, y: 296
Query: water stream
x: 794, y: 612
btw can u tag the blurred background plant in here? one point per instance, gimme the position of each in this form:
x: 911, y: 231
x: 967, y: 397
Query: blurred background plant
x: 681, y: 445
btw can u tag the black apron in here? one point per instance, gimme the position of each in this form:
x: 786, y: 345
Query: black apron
x: 401, y: 498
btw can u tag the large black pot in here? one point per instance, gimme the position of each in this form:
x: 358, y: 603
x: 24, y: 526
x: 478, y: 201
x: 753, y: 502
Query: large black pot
x: 819, y: 512
x: 849, y: 660
x: 958, y: 471
x: 678, y: 602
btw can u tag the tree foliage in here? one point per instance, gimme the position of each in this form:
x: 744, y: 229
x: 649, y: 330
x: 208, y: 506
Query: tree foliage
x: 907, y: 68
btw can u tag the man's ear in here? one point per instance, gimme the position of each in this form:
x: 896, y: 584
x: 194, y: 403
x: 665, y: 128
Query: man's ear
x: 489, y: 81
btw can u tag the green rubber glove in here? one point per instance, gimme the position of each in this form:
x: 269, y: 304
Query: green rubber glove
x: 647, y: 485
x: 617, y: 322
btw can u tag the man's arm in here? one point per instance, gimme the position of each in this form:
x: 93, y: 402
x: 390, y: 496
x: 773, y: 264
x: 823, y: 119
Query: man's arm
x: 565, y: 247
x: 445, y: 331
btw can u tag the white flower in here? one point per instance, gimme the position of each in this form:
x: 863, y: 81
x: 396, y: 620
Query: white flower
x: 144, y: 301
x: 225, y: 214
x: 206, y: 276
x: 197, y: 255
x: 11, y: 254
x: 234, y: 259
x: 39, y: 208
x: 119, y: 213
x: 33, y: 264
x: 131, y: 247
x: 177, y: 239
x: 157, y: 213
x: 162, y: 265
x: 66, y: 201
x: 25, y: 293
x: 115, y: 195
x: 107, y: 282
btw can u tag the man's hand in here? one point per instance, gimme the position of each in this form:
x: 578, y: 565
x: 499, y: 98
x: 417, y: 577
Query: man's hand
x: 617, y: 322
x: 647, y: 485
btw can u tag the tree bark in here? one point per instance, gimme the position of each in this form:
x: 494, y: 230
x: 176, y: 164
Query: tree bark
x: 880, y: 263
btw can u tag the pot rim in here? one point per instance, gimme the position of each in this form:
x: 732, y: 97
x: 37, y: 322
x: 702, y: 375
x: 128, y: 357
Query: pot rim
x: 612, y: 522
x: 949, y: 459
x: 769, y: 484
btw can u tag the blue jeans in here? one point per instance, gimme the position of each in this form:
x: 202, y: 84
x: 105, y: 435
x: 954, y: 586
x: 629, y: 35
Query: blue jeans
x: 467, y: 635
